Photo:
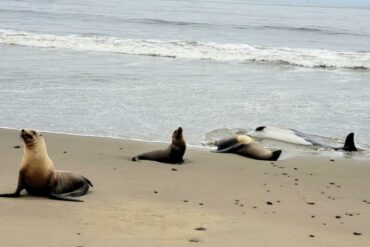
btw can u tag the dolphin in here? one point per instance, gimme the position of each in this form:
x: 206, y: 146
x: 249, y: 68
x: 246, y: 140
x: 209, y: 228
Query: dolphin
x: 296, y: 137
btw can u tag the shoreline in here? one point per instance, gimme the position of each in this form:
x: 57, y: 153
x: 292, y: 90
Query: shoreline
x: 237, y: 200
x: 286, y: 154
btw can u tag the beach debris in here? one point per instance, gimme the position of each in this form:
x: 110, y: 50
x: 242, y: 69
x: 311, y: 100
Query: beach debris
x: 357, y: 233
x: 201, y: 203
x: 349, y: 214
x: 201, y: 228
x: 310, y: 203
x: 194, y: 240
x: 174, y: 169
x: 17, y: 146
x: 64, y: 152
x: 185, y: 201
x: 155, y: 192
x: 338, y: 216
x: 312, y: 236
x: 269, y: 203
x: 332, y: 160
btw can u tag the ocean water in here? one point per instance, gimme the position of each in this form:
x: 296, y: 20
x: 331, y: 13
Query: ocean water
x: 139, y: 69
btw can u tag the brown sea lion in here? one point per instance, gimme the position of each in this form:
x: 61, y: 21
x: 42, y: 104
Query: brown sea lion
x: 173, y: 154
x: 246, y: 146
x: 38, y: 177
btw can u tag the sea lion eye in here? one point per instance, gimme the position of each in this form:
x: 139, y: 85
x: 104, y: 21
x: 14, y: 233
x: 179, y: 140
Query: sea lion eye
x: 33, y: 132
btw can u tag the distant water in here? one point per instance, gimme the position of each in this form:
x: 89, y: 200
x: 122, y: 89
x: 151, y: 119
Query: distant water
x: 139, y: 69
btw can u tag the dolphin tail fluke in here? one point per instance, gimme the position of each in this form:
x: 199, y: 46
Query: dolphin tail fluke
x: 349, y: 144
x: 275, y: 155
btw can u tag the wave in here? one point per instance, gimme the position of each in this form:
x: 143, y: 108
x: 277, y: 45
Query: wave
x: 192, y: 50
x: 248, y: 27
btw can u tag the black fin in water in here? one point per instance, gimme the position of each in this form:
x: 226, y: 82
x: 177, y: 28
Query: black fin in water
x: 349, y: 144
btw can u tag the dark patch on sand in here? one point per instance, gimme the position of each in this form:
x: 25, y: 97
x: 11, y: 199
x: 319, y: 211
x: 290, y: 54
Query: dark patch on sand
x: 201, y: 228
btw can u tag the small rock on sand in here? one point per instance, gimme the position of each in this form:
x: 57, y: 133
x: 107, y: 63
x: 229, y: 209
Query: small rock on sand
x: 357, y: 233
x: 269, y: 203
x: 17, y: 146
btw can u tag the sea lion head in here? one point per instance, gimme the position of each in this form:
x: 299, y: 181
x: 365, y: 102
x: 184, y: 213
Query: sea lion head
x: 30, y: 137
x: 177, y: 137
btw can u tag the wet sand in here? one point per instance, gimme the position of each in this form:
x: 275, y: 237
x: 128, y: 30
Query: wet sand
x: 211, y: 200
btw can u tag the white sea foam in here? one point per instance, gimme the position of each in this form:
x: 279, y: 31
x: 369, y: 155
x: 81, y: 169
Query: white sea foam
x: 192, y: 50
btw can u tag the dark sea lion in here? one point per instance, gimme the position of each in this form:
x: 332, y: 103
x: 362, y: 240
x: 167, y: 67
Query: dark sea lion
x: 173, y: 154
x: 245, y: 145
x: 38, y: 177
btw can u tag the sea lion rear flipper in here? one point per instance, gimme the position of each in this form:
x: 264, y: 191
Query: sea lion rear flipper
x: 228, y: 149
x: 275, y: 155
x: 349, y: 144
x: 78, y: 192
x: 62, y: 198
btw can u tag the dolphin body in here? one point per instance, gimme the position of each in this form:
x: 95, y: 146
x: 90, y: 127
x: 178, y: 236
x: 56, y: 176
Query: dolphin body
x: 300, y: 138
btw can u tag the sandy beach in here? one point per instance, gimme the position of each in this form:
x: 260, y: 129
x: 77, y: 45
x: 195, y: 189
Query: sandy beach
x: 211, y: 200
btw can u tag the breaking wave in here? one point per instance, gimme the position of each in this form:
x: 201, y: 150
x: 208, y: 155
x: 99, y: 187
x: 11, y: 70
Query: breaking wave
x: 192, y: 50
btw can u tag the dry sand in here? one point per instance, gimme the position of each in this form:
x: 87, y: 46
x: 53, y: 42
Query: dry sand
x: 152, y: 204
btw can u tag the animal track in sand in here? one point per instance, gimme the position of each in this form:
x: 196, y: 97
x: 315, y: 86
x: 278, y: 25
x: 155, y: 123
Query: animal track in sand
x: 194, y: 240
x: 201, y: 228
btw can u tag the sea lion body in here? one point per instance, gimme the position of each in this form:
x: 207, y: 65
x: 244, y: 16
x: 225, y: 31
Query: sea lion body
x: 38, y: 177
x: 173, y: 154
x: 246, y: 146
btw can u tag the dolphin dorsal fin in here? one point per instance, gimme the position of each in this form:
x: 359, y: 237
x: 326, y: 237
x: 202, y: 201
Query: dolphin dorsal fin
x: 349, y: 144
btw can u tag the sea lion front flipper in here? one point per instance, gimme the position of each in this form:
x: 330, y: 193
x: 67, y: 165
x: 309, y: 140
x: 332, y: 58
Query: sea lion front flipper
x: 62, y: 198
x: 228, y: 149
x: 17, y: 192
